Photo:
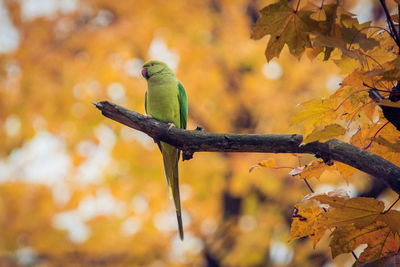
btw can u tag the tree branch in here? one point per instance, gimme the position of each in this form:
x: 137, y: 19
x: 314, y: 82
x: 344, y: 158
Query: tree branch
x: 191, y: 141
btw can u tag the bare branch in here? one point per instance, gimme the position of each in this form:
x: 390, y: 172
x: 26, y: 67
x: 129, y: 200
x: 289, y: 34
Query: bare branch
x: 191, y: 141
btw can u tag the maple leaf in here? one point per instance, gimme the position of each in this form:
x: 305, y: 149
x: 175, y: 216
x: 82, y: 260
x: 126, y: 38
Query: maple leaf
x: 363, y: 136
x: 306, y: 223
x: 392, y: 146
x: 317, y: 168
x: 315, y: 110
x: 345, y: 170
x: 314, y: 169
x: 348, y: 64
x: 355, y: 79
x: 269, y: 163
x: 316, y: 113
x: 380, y: 240
x: 360, y: 211
x: 353, y: 35
x: 326, y: 133
x: 342, y: 35
x: 327, y: 16
x: 286, y: 26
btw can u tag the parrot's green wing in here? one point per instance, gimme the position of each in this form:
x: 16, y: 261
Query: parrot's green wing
x: 183, y: 103
x: 145, y: 102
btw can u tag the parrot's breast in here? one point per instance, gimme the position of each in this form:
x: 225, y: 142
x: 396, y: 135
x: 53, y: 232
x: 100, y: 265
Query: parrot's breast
x: 162, y: 100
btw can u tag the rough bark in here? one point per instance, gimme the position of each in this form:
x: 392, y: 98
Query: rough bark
x: 190, y: 141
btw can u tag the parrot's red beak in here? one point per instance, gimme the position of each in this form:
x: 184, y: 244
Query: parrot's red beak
x: 145, y: 74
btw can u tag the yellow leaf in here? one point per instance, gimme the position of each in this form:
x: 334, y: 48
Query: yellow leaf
x: 324, y: 134
x: 305, y: 223
x: 345, y: 170
x: 269, y: 164
x: 315, y: 110
x: 348, y: 64
x: 360, y: 211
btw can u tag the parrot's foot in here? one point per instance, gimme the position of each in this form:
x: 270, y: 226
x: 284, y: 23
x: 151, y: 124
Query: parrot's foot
x: 187, y: 155
x: 148, y: 116
x: 170, y: 125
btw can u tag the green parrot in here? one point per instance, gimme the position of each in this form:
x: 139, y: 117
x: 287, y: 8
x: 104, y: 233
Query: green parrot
x: 166, y: 101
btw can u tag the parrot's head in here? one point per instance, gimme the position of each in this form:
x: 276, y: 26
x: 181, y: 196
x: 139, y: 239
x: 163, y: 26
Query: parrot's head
x: 154, y: 67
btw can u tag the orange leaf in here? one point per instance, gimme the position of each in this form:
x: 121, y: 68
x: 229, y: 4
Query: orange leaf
x: 380, y: 240
x: 305, y: 223
x: 315, y: 169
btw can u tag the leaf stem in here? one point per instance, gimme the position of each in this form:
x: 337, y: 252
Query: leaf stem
x: 308, y: 185
x: 282, y: 167
x: 358, y: 91
x: 391, y: 206
x: 297, y: 7
x: 370, y: 143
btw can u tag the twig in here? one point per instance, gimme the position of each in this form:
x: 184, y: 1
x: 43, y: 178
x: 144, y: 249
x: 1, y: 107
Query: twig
x: 390, y: 23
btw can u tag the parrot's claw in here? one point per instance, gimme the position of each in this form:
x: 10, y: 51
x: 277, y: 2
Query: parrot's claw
x: 170, y: 126
x: 148, y: 116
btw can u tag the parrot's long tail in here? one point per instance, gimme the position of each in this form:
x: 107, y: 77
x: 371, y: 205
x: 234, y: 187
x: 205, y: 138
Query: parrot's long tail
x: 171, y: 157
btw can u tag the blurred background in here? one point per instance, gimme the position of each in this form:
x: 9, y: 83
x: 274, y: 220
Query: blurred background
x: 77, y: 189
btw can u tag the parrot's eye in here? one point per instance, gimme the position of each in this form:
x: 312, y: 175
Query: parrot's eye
x: 152, y: 64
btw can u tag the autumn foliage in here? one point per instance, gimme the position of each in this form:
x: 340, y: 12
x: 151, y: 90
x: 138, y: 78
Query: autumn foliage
x: 77, y: 189
x: 367, y: 56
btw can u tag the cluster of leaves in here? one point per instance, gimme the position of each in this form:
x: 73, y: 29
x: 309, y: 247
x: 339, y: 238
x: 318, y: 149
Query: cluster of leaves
x: 352, y: 222
x: 368, y: 58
